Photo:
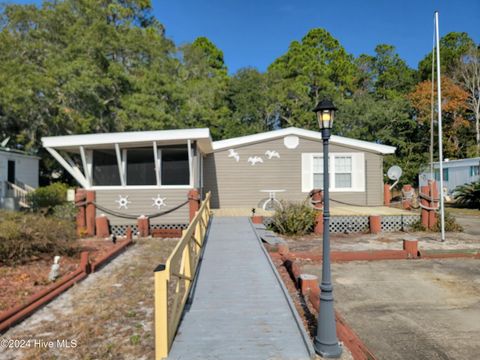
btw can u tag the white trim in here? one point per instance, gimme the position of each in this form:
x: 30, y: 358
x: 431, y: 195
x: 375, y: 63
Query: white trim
x: 140, y: 187
x: 314, y: 135
x: 75, y: 167
x: 121, y: 171
x: 70, y: 141
x: 156, y: 166
x: 85, y: 166
x: 89, y: 156
x: 190, y: 162
x: 200, y: 170
x: 80, y: 179
x: 124, y: 164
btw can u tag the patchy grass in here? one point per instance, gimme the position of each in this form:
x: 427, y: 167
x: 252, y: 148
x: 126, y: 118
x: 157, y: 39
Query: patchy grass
x: 463, y: 211
x: 110, y: 314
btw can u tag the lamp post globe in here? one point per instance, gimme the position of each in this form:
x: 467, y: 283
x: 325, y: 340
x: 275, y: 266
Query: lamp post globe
x: 326, y: 342
x: 325, y: 111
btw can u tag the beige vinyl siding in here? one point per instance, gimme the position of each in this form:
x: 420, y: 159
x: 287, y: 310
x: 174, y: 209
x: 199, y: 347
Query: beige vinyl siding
x: 238, y: 184
x: 141, y: 204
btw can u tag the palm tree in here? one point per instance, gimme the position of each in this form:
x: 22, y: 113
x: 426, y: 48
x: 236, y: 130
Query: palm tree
x: 468, y: 195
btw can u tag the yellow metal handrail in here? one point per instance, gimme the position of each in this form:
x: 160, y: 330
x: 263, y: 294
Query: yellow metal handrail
x: 175, y: 279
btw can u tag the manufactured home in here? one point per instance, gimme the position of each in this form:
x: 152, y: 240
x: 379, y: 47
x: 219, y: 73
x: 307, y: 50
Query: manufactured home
x: 455, y: 173
x: 151, y: 172
x: 18, y: 175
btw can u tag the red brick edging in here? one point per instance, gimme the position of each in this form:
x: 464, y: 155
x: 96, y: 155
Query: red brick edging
x: 345, y: 333
x: 16, y: 314
x: 110, y: 255
x: 310, y: 291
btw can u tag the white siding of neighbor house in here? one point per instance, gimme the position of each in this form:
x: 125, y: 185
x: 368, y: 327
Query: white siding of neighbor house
x: 26, y: 168
x: 458, y: 173
x: 238, y: 184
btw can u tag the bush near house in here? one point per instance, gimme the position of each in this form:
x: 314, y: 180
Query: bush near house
x: 451, y: 224
x: 47, y: 197
x: 293, y: 219
x: 468, y: 195
x: 24, y: 237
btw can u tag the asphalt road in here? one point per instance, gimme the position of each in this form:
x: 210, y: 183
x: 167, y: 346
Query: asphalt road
x: 412, y: 309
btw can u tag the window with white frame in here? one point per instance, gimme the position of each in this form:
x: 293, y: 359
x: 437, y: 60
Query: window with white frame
x: 343, y: 171
x: 347, y: 171
x: 317, y: 172
x: 475, y: 170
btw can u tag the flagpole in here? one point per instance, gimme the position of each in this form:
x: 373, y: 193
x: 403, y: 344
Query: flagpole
x: 440, y: 139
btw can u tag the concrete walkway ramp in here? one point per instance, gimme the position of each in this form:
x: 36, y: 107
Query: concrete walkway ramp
x: 240, y: 308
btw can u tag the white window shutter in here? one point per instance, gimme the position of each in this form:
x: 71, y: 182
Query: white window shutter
x: 307, y: 177
x: 358, y: 171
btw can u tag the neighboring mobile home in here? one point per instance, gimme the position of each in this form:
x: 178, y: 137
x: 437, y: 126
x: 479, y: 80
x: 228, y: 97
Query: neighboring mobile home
x: 455, y: 173
x: 152, y: 171
x: 18, y: 175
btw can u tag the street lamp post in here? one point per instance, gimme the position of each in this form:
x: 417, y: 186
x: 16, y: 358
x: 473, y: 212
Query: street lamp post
x: 326, y: 342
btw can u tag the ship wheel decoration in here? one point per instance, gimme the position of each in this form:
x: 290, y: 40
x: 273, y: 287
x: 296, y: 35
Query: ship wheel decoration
x: 158, y: 202
x: 123, y: 202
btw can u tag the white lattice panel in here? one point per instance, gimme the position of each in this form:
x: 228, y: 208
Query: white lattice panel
x: 348, y: 224
x: 398, y: 222
x: 120, y: 230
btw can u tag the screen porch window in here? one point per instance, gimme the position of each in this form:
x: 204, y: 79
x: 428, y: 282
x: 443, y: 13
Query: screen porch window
x: 105, y: 168
x: 343, y: 172
x: 140, y: 167
x: 175, y: 168
x: 317, y: 172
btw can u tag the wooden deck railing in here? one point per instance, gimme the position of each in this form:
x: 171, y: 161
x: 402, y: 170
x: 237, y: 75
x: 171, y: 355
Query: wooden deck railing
x: 19, y: 193
x: 174, y: 279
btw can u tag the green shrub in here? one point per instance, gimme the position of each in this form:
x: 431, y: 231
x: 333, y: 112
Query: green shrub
x: 67, y: 211
x: 468, y: 195
x: 451, y: 224
x: 23, y: 236
x: 48, y: 196
x: 294, y: 219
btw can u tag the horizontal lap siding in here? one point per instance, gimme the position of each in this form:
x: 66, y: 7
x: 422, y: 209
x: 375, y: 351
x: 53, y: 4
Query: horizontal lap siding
x: 238, y: 184
x: 141, y: 204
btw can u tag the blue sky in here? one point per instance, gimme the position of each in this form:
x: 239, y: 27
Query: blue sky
x: 254, y: 33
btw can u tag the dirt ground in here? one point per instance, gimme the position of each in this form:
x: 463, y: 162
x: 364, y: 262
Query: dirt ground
x: 19, y: 282
x: 411, y: 309
x: 108, y: 316
x: 384, y: 241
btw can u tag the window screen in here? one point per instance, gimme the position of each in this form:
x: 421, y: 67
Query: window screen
x: 141, y: 167
x: 175, y: 170
x: 343, y: 172
x: 105, y: 168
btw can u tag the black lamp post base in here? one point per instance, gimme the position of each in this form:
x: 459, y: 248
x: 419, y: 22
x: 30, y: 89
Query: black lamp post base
x: 329, y: 351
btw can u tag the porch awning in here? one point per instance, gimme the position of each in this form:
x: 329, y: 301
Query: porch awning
x: 130, y: 139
